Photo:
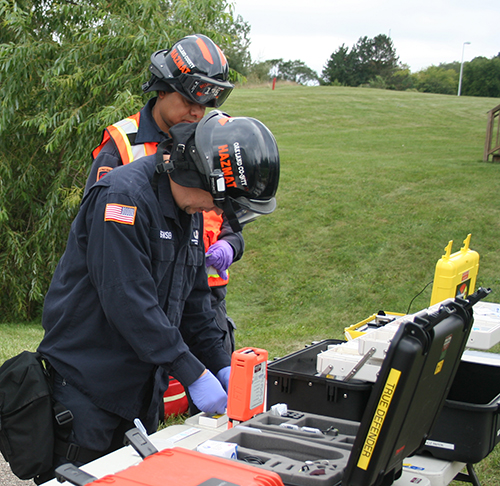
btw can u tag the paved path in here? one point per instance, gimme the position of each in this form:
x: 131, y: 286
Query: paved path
x: 7, y: 478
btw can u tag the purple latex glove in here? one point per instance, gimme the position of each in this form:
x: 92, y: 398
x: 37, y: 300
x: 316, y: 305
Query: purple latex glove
x: 208, y: 395
x: 220, y: 256
x: 223, y: 376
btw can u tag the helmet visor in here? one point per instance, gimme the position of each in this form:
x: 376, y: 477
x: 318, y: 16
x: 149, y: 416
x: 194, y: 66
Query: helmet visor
x: 248, y: 210
x: 203, y: 90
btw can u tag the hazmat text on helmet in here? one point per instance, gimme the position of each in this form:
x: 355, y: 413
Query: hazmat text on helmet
x: 226, y: 166
x: 181, y: 62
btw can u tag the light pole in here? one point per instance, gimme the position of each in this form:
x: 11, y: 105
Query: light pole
x: 461, y: 70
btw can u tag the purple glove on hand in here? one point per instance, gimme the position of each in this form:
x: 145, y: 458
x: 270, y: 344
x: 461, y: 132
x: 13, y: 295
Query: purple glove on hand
x: 223, y: 376
x: 208, y: 395
x: 220, y: 256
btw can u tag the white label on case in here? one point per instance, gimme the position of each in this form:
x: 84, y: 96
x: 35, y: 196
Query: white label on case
x: 440, y: 445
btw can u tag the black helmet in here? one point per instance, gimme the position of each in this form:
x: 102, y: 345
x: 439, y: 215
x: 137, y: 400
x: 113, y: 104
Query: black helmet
x: 195, y: 67
x: 235, y: 159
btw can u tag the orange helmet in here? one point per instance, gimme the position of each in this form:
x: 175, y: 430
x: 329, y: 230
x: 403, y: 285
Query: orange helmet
x: 195, y: 67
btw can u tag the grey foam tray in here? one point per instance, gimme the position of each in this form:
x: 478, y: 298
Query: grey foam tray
x: 299, y: 457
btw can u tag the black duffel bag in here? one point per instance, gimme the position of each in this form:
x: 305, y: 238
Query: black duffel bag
x: 26, y: 415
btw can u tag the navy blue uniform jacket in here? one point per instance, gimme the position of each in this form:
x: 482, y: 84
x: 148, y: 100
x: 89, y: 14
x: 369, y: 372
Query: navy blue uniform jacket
x: 130, y: 294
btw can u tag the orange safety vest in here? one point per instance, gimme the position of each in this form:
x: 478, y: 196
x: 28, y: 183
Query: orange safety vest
x: 119, y: 132
x: 212, y: 223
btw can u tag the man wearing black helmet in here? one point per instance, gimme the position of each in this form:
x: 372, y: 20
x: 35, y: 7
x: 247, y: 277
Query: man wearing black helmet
x: 187, y: 78
x: 130, y: 294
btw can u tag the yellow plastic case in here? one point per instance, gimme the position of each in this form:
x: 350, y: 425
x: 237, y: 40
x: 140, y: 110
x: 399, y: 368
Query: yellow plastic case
x: 455, y: 274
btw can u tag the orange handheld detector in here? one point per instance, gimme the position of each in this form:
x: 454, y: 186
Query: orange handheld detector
x: 247, y: 384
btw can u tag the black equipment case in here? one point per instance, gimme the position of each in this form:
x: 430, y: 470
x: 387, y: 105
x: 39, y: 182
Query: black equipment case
x: 466, y: 430
x: 468, y: 427
x: 413, y: 383
x: 293, y: 380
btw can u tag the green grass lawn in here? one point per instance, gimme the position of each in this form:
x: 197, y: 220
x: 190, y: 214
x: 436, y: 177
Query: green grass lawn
x: 374, y: 184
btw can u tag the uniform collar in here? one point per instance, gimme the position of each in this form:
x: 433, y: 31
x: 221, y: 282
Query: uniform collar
x: 148, y: 130
x: 167, y: 202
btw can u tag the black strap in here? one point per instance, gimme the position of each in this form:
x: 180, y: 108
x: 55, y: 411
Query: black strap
x: 63, y: 427
x: 160, y: 169
x: 74, y: 453
x: 228, y: 209
x: 183, y: 142
x: 161, y: 165
x: 64, y: 419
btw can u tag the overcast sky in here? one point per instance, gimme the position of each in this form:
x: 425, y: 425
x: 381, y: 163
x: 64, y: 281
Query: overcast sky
x: 424, y: 32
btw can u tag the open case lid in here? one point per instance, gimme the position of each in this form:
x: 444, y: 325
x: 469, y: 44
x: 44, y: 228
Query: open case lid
x: 410, y: 391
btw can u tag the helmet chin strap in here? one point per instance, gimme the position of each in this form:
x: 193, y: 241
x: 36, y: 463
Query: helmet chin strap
x: 228, y: 209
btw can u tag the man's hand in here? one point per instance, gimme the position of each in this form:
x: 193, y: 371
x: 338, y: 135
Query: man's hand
x: 220, y: 256
x: 208, y: 395
x: 223, y: 376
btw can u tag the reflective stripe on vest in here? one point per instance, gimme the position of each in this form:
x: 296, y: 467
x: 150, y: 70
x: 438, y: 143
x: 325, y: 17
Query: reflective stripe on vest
x: 212, y: 223
x: 119, y: 132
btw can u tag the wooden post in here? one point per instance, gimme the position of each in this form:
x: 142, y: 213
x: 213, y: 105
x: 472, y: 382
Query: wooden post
x: 488, y: 149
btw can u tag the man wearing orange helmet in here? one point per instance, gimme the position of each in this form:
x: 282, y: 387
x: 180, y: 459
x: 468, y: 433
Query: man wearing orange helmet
x: 188, y: 78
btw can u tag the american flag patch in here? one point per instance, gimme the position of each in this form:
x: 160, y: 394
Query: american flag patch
x: 120, y: 213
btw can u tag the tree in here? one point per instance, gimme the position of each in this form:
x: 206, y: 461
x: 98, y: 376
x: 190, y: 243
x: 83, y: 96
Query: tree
x: 455, y: 66
x: 367, y: 59
x: 375, y: 57
x: 340, y: 68
x: 295, y: 71
x: 260, y: 71
x: 67, y: 70
x: 436, y: 79
x: 481, y: 77
x: 238, y: 53
x: 401, y: 79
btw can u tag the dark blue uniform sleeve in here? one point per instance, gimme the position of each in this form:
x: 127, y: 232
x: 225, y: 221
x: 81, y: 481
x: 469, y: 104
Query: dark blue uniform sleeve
x: 106, y: 161
x: 122, y: 262
x: 198, y: 328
